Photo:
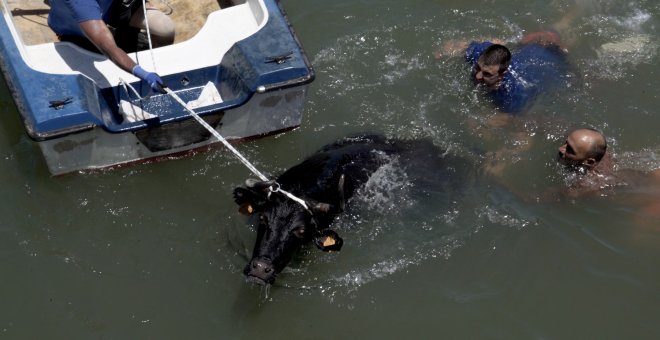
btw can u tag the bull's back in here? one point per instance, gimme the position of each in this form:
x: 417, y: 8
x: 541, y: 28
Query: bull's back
x: 355, y: 158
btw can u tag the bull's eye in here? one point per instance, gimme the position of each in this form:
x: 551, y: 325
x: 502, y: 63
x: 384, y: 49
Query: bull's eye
x: 299, y: 232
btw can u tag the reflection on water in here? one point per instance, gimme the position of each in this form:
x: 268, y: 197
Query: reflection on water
x: 157, y: 250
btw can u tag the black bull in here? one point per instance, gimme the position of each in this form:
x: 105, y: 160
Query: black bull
x: 324, y: 181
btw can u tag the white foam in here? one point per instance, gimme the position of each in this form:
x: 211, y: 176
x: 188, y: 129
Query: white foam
x: 634, y: 21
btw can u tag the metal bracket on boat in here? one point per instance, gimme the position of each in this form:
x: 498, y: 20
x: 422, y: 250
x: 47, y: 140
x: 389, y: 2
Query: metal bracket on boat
x: 59, y: 104
x: 279, y: 59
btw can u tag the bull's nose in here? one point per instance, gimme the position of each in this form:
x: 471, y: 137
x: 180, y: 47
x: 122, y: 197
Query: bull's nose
x: 261, y: 269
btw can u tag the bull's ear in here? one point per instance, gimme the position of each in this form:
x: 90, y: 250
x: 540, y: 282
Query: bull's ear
x: 319, y: 207
x: 328, y: 241
x: 249, y: 200
x: 246, y: 209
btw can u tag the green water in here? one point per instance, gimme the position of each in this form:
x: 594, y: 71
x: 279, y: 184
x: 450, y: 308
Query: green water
x: 156, y: 251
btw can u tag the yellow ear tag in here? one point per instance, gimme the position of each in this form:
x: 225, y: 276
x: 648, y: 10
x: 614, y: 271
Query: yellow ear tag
x: 329, y: 241
x: 246, y: 209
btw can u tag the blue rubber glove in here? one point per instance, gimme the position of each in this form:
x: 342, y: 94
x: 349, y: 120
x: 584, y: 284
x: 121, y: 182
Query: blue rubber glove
x: 151, y: 78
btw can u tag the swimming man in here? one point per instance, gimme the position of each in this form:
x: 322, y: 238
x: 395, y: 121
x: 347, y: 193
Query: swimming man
x: 512, y: 80
x: 585, y: 152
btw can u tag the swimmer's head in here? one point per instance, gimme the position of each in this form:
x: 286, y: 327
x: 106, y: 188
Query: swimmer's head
x: 491, y: 66
x: 583, y: 149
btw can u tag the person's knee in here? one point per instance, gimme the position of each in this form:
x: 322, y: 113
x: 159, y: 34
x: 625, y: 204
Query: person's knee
x: 161, y: 28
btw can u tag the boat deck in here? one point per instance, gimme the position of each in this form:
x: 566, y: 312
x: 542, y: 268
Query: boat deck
x: 30, y: 17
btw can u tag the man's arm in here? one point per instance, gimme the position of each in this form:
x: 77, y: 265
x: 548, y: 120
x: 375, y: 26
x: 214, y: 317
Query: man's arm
x: 543, y: 38
x: 99, y: 34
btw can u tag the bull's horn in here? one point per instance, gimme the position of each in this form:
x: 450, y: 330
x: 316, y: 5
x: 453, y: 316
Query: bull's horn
x: 340, y: 188
x: 321, y: 207
x: 258, y: 185
x: 246, y: 209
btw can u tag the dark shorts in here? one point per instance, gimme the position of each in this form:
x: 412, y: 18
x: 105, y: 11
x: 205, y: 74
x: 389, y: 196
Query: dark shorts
x: 122, y: 11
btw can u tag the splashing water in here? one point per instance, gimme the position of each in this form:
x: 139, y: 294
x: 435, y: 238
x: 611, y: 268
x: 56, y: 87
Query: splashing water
x: 626, y: 41
x: 391, y: 224
x: 385, y: 78
x: 385, y: 188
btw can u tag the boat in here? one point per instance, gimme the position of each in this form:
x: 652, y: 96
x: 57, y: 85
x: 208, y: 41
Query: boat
x: 242, y: 68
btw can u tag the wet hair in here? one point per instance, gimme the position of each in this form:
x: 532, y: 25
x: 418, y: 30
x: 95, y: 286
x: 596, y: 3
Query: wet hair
x: 598, y: 148
x: 497, y: 54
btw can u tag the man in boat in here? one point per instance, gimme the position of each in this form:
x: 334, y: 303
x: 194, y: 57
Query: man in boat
x: 92, y: 21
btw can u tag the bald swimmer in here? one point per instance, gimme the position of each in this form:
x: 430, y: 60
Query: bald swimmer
x: 585, y: 152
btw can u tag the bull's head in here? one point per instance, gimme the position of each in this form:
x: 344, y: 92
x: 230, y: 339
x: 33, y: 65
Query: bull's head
x: 283, y: 227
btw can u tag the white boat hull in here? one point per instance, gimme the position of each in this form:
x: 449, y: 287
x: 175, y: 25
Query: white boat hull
x: 264, y: 114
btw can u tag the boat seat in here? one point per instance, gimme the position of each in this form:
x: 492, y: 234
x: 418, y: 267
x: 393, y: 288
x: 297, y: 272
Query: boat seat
x: 31, y: 19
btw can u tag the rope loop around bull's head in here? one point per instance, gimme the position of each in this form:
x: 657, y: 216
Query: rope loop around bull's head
x: 275, y: 187
x: 325, y: 239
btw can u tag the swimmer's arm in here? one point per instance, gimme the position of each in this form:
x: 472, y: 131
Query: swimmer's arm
x: 99, y: 34
x: 451, y: 48
x: 543, y: 38
x: 495, y: 172
x: 456, y: 48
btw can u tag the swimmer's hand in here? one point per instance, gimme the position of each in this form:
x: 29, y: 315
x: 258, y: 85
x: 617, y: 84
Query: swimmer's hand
x: 451, y: 48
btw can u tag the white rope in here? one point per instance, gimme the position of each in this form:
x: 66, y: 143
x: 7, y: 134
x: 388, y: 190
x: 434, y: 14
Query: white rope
x: 127, y: 86
x: 211, y: 129
x: 216, y: 134
x: 291, y: 197
x: 146, y: 23
x: 192, y: 113
x: 236, y: 153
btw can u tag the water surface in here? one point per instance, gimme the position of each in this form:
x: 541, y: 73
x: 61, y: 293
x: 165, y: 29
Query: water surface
x: 157, y: 250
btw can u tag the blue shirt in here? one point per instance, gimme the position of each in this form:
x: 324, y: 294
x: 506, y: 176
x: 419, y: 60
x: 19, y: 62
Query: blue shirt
x: 533, y: 69
x: 65, y: 16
